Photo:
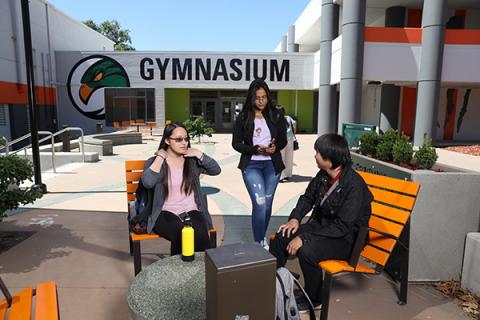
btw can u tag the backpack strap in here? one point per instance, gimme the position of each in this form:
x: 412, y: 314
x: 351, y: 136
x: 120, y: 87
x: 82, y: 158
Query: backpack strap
x: 285, y: 313
x: 311, y: 310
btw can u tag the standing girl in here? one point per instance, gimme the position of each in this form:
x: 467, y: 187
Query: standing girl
x: 259, y: 134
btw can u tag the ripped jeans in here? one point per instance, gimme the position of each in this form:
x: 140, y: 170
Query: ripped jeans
x: 261, y: 182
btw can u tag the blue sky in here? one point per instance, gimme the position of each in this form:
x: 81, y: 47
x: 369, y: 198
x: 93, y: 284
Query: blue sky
x: 194, y: 25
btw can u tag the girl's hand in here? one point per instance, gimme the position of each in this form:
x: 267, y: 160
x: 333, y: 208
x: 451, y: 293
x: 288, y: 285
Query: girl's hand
x: 192, y: 152
x: 161, y: 153
x: 271, y: 148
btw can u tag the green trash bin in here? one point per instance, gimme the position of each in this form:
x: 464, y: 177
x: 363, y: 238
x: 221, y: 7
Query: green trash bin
x: 354, y: 131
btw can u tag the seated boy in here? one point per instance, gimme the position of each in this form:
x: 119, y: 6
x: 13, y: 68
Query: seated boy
x: 341, y: 204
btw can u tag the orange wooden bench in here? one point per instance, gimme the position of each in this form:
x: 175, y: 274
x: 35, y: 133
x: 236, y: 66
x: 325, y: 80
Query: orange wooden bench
x: 151, y: 125
x: 389, y: 225
x: 19, y: 307
x: 133, y: 173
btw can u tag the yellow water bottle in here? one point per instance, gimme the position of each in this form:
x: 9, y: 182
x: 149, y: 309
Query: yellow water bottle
x: 188, y: 243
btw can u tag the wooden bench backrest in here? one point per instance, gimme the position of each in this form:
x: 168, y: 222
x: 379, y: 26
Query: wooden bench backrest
x: 393, y: 203
x: 133, y: 172
x: 46, y: 304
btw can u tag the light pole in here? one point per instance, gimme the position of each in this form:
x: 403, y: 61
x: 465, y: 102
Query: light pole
x: 27, y: 38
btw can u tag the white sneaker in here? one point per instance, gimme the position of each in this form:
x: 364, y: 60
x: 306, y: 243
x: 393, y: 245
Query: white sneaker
x: 264, y: 244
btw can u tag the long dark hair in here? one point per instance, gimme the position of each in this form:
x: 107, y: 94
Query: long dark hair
x: 249, y: 106
x: 188, y: 166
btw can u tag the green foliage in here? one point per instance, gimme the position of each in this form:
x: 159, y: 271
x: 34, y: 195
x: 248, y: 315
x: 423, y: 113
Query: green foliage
x: 385, y: 145
x: 13, y: 171
x: 113, y: 31
x: 426, y: 156
x: 402, y: 150
x: 197, y: 128
x: 368, y: 143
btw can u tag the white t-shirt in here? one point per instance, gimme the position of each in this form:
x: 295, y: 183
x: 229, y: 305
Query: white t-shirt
x: 261, y: 136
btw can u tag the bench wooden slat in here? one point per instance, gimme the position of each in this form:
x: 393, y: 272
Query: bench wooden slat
x: 132, y: 187
x: 385, y: 226
x: 46, y: 302
x: 384, y: 182
x: 3, y: 309
x: 395, y: 199
x: 147, y: 236
x: 336, y: 266
x: 134, y: 165
x: 382, y: 241
x: 376, y: 255
x: 133, y: 176
x: 391, y: 213
x: 21, y: 308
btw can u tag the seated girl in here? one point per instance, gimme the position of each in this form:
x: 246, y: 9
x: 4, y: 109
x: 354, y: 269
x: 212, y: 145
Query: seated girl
x: 174, y: 173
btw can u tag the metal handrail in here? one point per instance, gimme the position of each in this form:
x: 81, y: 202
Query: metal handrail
x: 49, y: 136
x: 82, y: 148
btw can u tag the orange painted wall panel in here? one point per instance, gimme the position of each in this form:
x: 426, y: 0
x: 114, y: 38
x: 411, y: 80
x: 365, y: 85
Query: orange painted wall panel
x: 16, y: 93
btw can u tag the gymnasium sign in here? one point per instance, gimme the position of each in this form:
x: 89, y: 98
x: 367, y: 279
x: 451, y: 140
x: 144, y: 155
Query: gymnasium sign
x: 208, y: 69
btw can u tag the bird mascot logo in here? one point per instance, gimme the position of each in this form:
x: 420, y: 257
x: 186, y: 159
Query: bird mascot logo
x: 87, y: 79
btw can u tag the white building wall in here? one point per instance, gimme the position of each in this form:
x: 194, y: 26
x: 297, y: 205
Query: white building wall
x: 371, y: 100
x: 51, y: 30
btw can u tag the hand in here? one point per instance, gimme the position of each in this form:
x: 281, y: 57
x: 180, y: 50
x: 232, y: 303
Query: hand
x: 294, y: 245
x: 289, y: 228
x: 161, y: 153
x: 192, y: 152
x: 271, y: 147
x: 261, y: 149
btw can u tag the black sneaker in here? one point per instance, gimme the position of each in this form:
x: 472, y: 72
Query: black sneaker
x: 303, y: 305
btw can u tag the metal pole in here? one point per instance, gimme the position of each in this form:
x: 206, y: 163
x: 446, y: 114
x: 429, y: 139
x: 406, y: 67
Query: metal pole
x: 27, y: 37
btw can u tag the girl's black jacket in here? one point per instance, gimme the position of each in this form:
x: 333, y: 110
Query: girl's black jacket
x: 242, y: 138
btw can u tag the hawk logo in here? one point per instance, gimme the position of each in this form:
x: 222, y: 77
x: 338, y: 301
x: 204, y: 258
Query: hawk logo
x: 87, y: 79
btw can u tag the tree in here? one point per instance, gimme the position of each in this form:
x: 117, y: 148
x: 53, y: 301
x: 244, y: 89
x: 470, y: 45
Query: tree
x: 13, y: 171
x: 113, y: 31
x: 197, y: 128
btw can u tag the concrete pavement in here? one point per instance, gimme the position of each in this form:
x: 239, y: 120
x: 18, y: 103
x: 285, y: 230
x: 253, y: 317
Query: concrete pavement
x: 80, y: 238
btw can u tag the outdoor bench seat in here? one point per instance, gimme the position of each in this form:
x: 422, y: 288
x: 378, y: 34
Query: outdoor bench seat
x: 389, y: 226
x: 43, y: 299
x: 133, y: 173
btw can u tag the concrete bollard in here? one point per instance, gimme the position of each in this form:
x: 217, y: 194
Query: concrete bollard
x: 99, y: 127
x: 471, y: 261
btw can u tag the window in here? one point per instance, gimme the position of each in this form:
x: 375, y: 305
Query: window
x: 126, y: 104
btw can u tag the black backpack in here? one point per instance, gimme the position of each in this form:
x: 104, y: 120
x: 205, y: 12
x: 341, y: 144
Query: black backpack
x: 140, y: 210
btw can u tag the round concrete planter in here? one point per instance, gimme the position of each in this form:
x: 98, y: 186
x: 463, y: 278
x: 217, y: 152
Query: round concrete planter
x: 447, y: 208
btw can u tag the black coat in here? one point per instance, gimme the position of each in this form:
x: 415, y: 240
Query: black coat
x: 342, y: 213
x: 242, y: 139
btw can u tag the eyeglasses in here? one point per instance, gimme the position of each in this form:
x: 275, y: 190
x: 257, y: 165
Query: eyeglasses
x: 180, y: 139
x: 261, y: 98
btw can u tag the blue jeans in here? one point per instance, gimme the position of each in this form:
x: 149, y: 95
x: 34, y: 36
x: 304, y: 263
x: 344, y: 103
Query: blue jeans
x: 261, y: 182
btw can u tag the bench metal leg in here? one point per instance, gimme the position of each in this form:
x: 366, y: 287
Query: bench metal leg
x: 404, y: 265
x: 213, y: 238
x: 327, y: 285
x: 130, y: 244
x: 137, y: 257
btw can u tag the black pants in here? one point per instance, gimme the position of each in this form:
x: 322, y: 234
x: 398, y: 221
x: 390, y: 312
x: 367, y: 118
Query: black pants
x: 169, y: 226
x: 310, y: 254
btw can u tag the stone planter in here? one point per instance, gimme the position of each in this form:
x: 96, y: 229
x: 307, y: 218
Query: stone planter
x: 447, y: 208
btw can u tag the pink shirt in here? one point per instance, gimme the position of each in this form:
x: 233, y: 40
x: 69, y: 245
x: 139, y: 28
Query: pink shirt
x: 261, y: 136
x: 177, y: 201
